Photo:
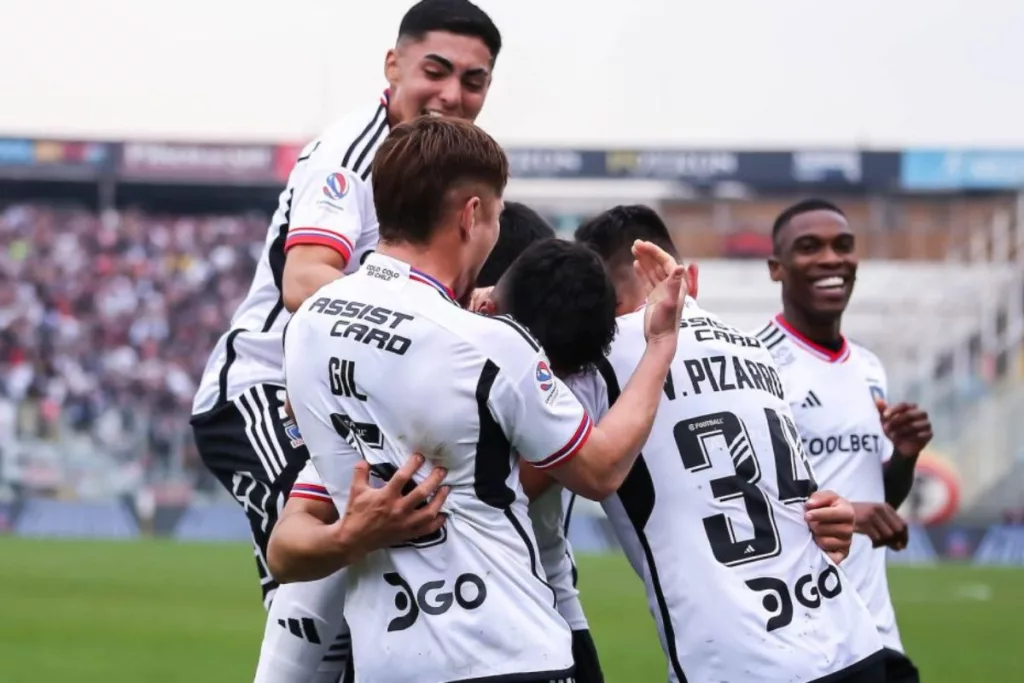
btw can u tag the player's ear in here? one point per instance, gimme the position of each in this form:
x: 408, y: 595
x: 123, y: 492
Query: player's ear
x: 774, y: 269
x: 391, y: 67
x: 469, y: 216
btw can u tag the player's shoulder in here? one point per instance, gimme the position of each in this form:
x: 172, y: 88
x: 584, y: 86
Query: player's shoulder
x: 629, y: 339
x: 868, y: 358
x: 349, y: 140
x: 502, y: 338
x: 325, y: 303
x: 777, y: 343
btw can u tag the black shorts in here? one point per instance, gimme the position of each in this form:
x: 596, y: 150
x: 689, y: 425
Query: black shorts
x: 584, y: 655
x: 256, y: 453
x: 899, y: 668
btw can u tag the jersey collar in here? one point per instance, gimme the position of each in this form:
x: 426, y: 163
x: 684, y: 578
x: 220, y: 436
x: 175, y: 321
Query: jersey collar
x: 421, y: 277
x: 390, y: 268
x: 827, y: 355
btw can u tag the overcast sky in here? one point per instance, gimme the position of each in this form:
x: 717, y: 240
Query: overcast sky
x: 737, y: 73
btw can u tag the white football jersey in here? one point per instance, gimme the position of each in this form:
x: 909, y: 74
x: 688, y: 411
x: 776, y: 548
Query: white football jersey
x: 832, y: 395
x: 549, y: 516
x: 382, y: 364
x: 712, y: 517
x: 328, y: 201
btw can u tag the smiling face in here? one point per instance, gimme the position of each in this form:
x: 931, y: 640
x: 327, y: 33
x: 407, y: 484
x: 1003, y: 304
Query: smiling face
x: 442, y: 74
x: 816, y: 262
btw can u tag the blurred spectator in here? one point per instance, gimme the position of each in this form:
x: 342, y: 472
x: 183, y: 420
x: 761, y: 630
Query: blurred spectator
x: 106, y: 321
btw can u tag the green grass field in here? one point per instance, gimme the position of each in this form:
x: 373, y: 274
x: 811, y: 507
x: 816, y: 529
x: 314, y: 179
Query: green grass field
x: 161, y: 612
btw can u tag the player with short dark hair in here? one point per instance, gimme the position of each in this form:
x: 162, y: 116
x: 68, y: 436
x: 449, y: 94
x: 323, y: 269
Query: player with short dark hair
x: 720, y: 515
x: 858, y: 445
x: 611, y: 233
x: 471, y: 601
x: 560, y: 277
x: 324, y: 227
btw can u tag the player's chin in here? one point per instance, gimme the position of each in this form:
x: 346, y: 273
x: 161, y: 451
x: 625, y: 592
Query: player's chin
x: 828, y: 303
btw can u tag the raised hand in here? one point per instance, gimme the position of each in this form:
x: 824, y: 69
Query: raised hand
x: 664, y: 282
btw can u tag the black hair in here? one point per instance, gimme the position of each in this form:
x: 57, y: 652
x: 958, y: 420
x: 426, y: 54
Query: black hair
x: 521, y: 226
x: 561, y: 292
x: 454, y: 16
x: 612, y: 233
x: 802, y: 207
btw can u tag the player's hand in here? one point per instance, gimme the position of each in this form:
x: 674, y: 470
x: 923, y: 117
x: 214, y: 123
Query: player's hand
x: 831, y: 519
x: 377, y: 518
x: 664, y: 281
x: 480, y: 301
x: 882, y: 524
x: 907, y: 426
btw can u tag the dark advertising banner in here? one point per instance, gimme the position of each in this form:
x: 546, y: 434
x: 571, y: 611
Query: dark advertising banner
x: 195, y: 163
x: 791, y: 171
x: 952, y: 170
x: 553, y: 163
x: 53, y: 159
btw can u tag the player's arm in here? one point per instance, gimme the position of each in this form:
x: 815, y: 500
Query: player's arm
x: 535, y: 482
x: 324, y: 223
x: 552, y: 430
x: 304, y: 543
x: 909, y: 430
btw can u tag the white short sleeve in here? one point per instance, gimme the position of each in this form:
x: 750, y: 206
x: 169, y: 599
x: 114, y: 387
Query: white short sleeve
x: 590, y: 389
x: 541, y: 417
x: 309, y: 485
x: 326, y: 204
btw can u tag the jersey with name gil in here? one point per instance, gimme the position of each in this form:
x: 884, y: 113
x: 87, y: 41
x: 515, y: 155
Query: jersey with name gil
x: 383, y: 364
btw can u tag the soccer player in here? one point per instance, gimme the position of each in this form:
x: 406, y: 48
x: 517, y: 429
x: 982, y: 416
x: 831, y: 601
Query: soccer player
x: 324, y: 228
x: 857, y: 444
x: 714, y: 514
x: 305, y: 638
x: 559, y: 291
x: 384, y: 364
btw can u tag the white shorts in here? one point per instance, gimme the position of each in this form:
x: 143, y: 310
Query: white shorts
x: 306, y: 639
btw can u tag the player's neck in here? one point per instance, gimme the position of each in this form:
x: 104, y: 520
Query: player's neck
x: 426, y: 259
x: 827, y: 333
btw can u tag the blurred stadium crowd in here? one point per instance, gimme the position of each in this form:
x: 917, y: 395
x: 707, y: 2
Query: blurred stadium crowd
x: 107, y: 319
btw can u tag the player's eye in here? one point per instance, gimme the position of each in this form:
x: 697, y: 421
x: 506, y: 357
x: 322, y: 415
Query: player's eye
x: 807, y: 246
x: 474, y: 85
x: 434, y: 74
x: 844, y: 245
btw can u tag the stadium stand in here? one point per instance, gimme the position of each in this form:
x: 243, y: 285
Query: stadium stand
x: 107, y: 321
